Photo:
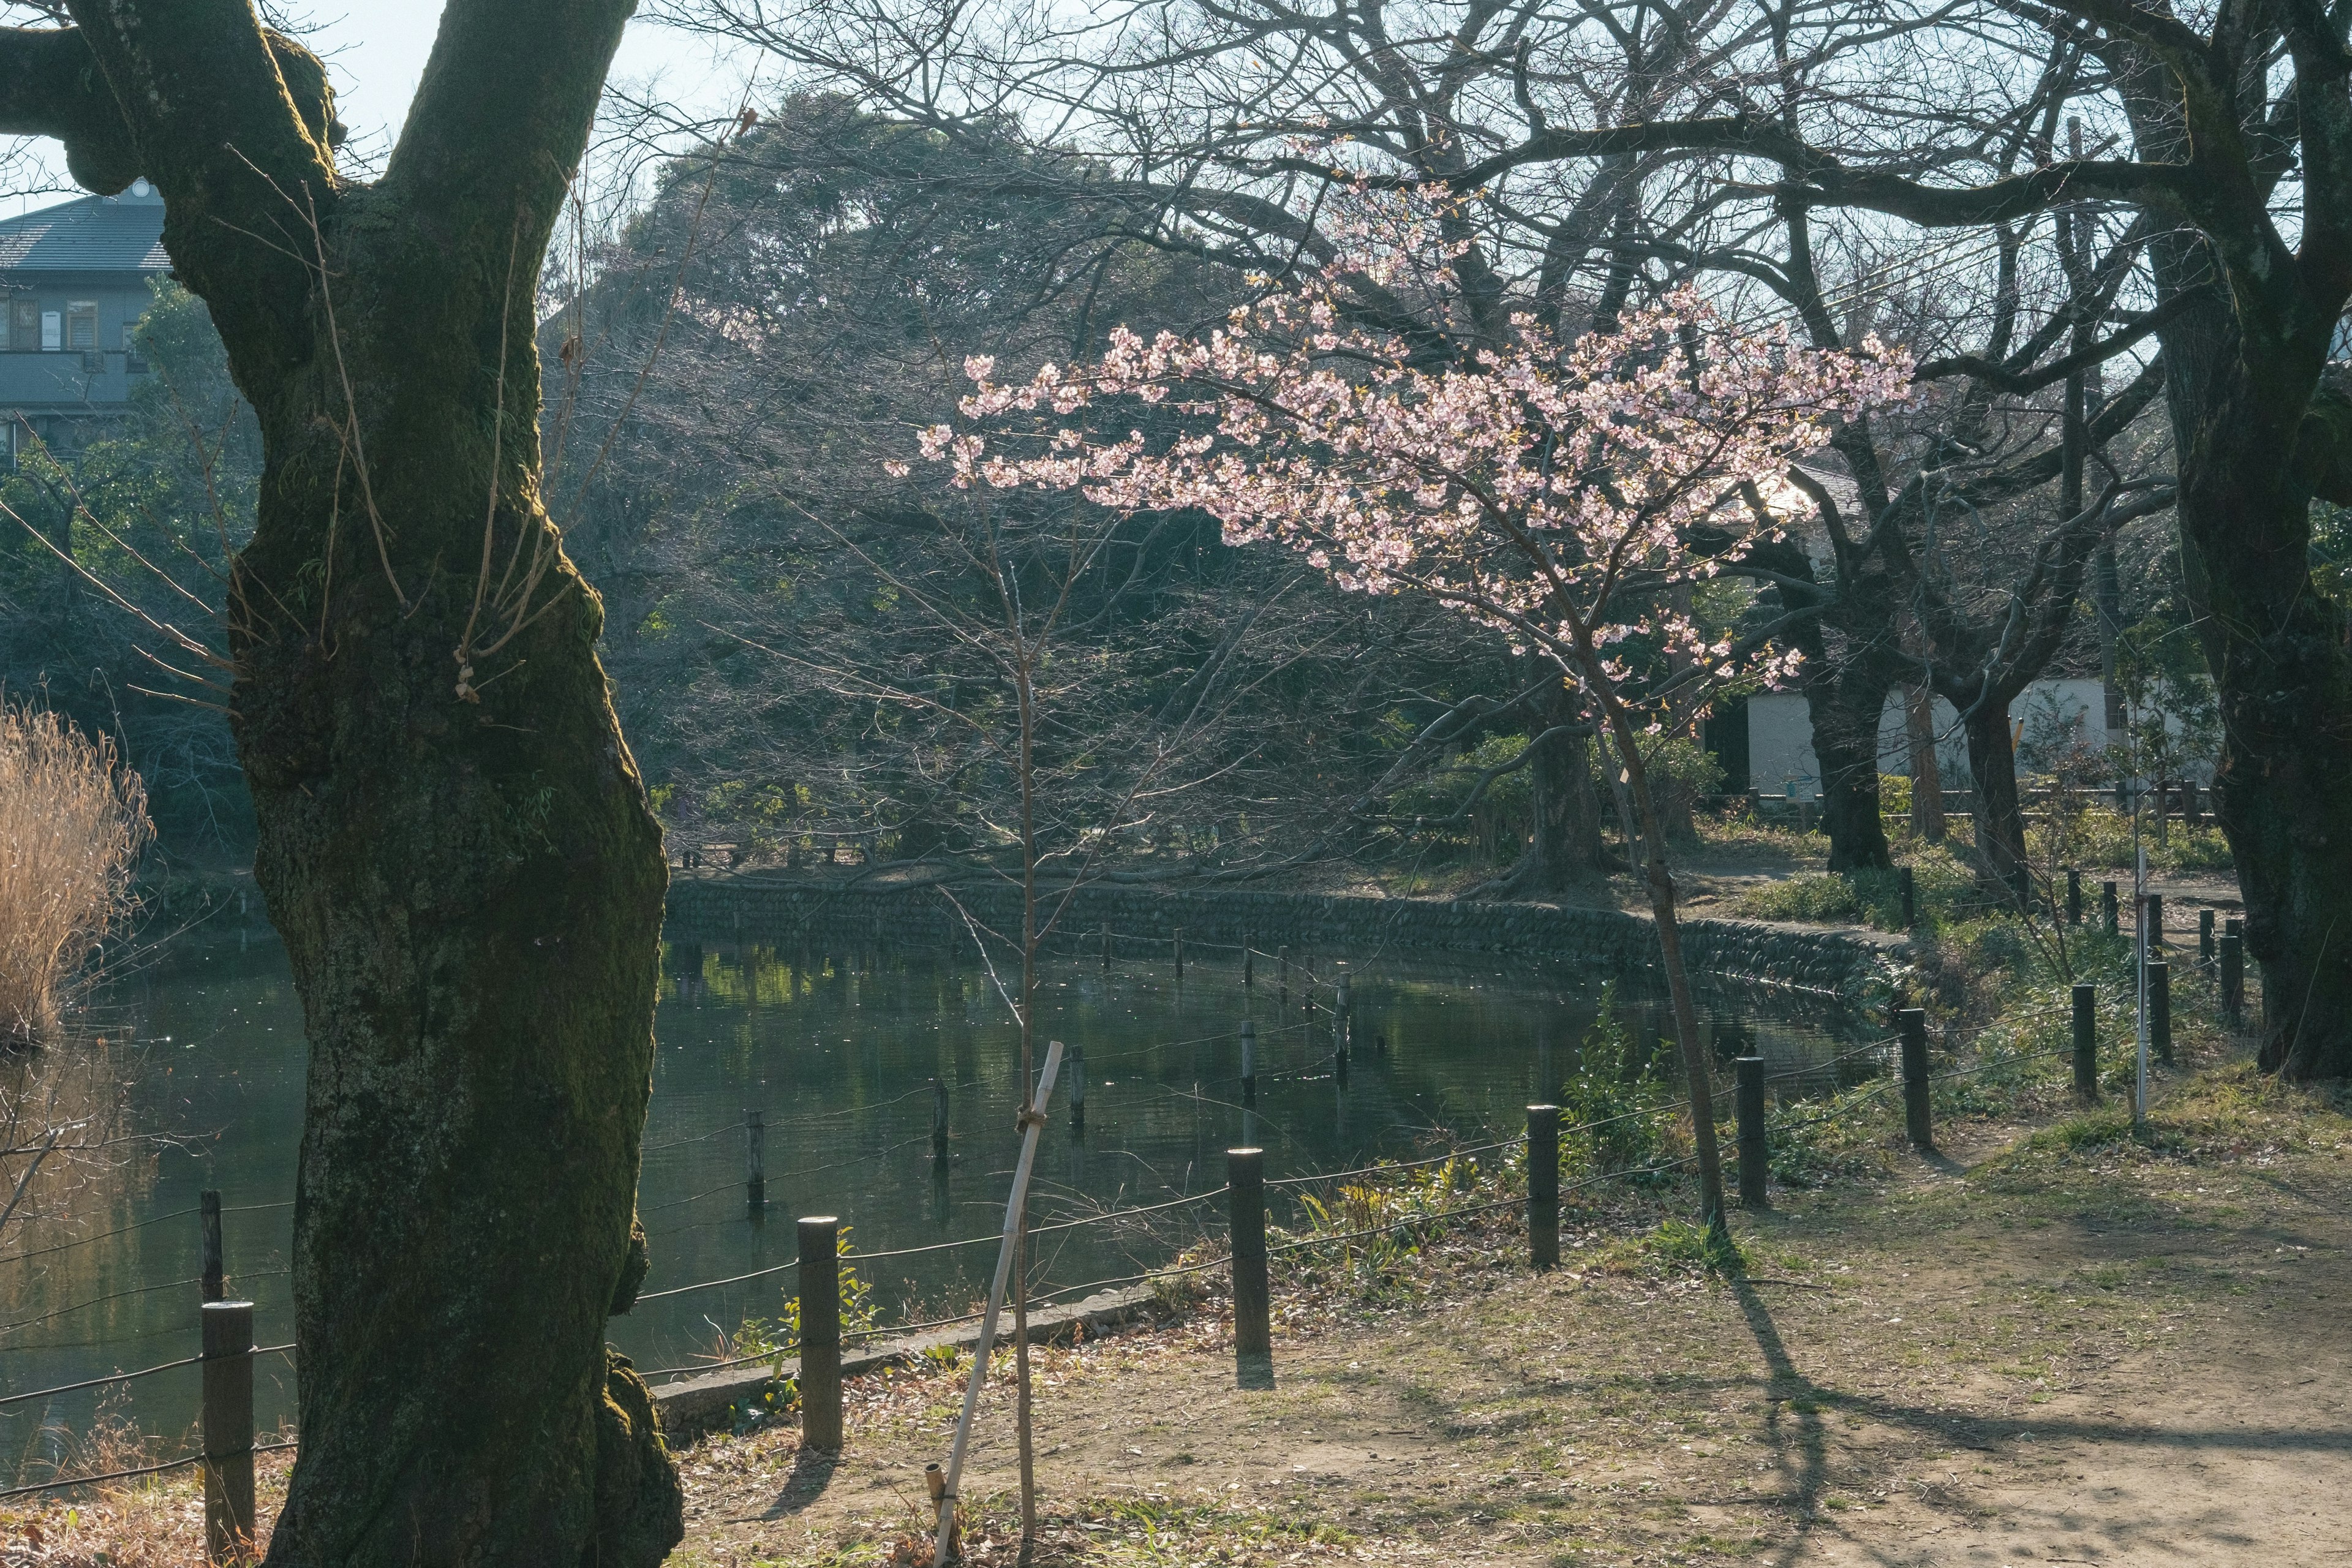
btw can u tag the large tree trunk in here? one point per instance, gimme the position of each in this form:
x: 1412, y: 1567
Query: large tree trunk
x: 2286, y: 696
x: 1568, y: 847
x: 453, y: 837
x: 1999, y: 819
x: 1845, y: 701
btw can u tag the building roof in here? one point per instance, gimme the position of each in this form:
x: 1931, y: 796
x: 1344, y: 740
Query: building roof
x: 95, y: 234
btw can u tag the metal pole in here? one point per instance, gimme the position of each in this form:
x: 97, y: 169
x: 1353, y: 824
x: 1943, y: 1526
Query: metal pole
x: 1249, y: 1062
x: 1077, y: 1091
x: 939, y: 1119
x: 2159, y: 1008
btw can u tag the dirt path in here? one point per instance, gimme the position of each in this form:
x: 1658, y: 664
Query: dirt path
x: 2032, y: 1356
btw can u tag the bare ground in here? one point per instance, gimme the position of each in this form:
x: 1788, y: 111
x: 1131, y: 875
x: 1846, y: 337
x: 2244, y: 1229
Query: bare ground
x: 2031, y: 1354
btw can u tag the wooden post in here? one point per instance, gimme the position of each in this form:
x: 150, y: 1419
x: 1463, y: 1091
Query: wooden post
x: 1910, y: 899
x: 1245, y: 1176
x: 935, y: 1480
x: 1077, y: 1069
x: 1911, y: 1023
x: 2205, y: 936
x: 2233, y: 975
x: 2086, y: 1041
x: 2073, y: 896
x: 820, y: 1283
x: 2151, y: 915
x: 228, y: 1430
x: 2159, y: 1009
x: 1180, y: 952
x: 755, y: 1159
x: 209, y: 1227
x: 1249, y: 964
x: 2107, y: 914
x: 1755, y: 1153
x: 1249, y: 1062
x: 940, y: 1120
x: 1543, y: 1186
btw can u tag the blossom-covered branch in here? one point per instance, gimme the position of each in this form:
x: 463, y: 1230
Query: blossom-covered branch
x: 1523, y: 487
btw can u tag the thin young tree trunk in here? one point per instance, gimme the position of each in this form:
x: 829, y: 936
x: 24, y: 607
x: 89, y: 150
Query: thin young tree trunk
x: 1697, y: 1071
x: 1927, y: 772
x: 1028, y: 1088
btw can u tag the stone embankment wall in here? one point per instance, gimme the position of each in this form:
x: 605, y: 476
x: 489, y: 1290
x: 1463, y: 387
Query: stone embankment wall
x: 1855, y: 967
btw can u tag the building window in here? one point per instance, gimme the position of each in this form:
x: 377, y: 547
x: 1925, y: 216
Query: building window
x: 82, y: 325
x: 53, y: 331
x: 24, y: 324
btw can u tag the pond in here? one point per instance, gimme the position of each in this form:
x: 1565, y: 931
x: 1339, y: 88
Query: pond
x: 837, y: 1051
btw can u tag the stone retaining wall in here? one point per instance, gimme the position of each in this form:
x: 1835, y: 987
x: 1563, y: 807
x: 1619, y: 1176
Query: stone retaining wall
x: 1855, y: 967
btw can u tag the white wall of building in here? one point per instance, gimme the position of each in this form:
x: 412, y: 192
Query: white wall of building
x: 2047, y: 718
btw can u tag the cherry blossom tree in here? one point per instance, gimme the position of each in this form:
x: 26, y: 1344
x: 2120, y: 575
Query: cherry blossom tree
x: 1568, y: 493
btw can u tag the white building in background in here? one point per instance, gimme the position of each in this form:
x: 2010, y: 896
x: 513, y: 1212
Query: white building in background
x: 2049, y: 718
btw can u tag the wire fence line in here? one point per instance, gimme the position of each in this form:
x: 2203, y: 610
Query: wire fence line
x: 67, y: 1482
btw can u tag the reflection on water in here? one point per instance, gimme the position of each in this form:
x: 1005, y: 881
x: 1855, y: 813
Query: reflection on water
x: 838, y: 1050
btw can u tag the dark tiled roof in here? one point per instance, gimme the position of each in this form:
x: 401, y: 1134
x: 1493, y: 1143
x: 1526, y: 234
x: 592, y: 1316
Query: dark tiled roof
x: 96, y: 234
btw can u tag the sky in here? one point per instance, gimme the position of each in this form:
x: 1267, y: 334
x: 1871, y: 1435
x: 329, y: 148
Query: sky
x: 375, y: 51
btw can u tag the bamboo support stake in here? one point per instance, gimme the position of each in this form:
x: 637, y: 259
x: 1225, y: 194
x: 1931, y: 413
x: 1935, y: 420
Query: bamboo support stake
x: 1033, y: 1122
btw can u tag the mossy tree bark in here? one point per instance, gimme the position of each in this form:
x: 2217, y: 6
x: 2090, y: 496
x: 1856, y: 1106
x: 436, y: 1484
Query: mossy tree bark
x: 454, y: 839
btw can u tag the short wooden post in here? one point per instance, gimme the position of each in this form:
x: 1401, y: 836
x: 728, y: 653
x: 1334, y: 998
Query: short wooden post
x: 2107, y: 913
x: 2087, y: 1040
x: 1543, y: 1186
x: 2205, y: 936
x: 1755, y: 1153
x: 1246, y: 1178
x: 2073, y: 896
x: 208, y: 1223
x: 939, y: 1119
x: 228, y: 1430
x: 935, y: 1480
x: 1075, y: 1067
x: 1910, y: 898
x: 1249, y: 1062
x: 2151, y: 915
x: 2159, y: 1009
x: 1180, y: 952
x: 1249, y: 962
x: 755, y: 1159
x: 820, y: 1287
x: 2233, y: 975
x: 1911, y: 1024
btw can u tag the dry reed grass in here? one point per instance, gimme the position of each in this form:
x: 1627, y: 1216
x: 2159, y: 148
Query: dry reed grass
x: 148, y: 1523
x: 73, y: 821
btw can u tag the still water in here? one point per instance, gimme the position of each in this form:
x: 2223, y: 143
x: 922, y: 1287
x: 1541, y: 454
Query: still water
x: 837, y: 1050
